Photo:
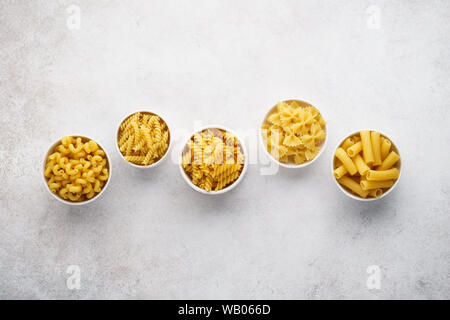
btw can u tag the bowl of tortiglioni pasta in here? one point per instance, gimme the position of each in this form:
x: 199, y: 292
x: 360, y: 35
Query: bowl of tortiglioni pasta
x: 77, y: 170
x: 293, y: 134
x: 366, y: 165
x: 143, y: 139
x: 214, y: 160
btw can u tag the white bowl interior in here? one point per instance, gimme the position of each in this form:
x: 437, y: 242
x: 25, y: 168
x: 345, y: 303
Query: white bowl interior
x: 291, y: 165
x: 52, y: 149
x: 155, y: 164
x: 231, y: 186
x: 398, y: 165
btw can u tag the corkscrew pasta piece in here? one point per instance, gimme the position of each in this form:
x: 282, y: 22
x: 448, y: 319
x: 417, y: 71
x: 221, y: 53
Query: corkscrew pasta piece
x: 143, y: 138
x: 213, y: 159
x: 77, y: 170
x: 294, y: 133
x: 366, y: 160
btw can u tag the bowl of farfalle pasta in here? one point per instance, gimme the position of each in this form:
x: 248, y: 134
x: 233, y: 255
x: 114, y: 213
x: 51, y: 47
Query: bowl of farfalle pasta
x: 214, y: 160
x: 366, y: 165
x: 293, y: 133
x: 143, y: 139
x: 77, y: 170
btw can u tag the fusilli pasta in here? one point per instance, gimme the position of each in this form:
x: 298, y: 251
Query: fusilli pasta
x: 213, y: 159
x: 143, y: 138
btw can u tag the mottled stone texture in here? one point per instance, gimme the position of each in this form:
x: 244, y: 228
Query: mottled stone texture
x: 292, y: 235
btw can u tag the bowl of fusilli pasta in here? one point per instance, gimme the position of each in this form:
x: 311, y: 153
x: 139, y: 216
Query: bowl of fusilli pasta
x: 77, y: 170
x: 214, y: 160
x: 293, y: 134
x: 143, y: 139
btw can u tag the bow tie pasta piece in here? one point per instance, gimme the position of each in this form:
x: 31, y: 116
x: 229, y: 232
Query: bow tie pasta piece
x: 143, y: 138
x: 213, y: 159
x: 294, y: 132
x: 77, y: 170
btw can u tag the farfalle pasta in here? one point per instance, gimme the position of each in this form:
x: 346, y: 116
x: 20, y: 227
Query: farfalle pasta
x: 77, y: 169
x: 366, y: 165
x: 294, y: 132
x: 143, y: 138
x: 213, y: 159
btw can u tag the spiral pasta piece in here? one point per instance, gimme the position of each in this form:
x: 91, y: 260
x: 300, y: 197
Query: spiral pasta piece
x: 213, y: 159
x: 143, y: 138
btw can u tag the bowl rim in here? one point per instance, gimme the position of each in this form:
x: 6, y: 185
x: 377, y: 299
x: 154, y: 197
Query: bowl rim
x: 347, y: 193
x: 71, y: 203
x: 291, y: 165
x: 155, y: 164
x: 231, y: 186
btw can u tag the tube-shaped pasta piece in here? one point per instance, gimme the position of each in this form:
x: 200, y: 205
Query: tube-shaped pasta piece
x: 373, y: 175
x: 370, y: 185
x: 354, y: 149
x: 367, y: 147
x: 362, y: 167
x: 376, y: 193
x: 347, y: 143
x: 353, y: 186
x: 340, y: 172
x: 376, y: 147
x: 385, y: 147
x: 346, y: 161
x: 390, y: 160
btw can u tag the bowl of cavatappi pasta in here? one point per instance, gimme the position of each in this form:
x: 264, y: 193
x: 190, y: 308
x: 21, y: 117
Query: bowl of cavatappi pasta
x: 366, y: 165
x: 77, y: 170
x: 143, y: 139
x: 214, y: 160
x: 293, y: 133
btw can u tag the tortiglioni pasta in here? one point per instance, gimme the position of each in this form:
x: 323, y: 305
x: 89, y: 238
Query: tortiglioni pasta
x: 346, y: 161
x: 365, y: 165
x: 367, y: 147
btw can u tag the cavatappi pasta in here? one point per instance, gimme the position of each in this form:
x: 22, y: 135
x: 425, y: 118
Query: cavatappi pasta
x: 294, y: 132
x: 77, y: 169
x: 143, y: 138
x: 213, y: 159
x: 366, y: 164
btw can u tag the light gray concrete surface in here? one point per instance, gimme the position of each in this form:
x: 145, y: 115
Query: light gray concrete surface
x: 294, y: 235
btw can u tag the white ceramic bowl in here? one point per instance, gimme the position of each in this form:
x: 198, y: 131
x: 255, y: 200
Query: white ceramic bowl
x: 155, y: 164
x: 71, y: 203
x: 291, y: 165
x: 231, y: 186
x: 398, y: 165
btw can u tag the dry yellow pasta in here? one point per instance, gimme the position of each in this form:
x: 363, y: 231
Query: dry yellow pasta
x: 382, y: 174
x: 348, y: 143
x: 77, y: 169
x: 376, y: 147
x: 376, y: 193
x: 367, y: 147
x: 339, y: 172
x: 143, y: 138
x: 354, y: 149
x: 390, y: 160
x: 370, y: 185
x: 353, y: 186
x: 346, y: 161
x: 294, y: 132
x: 385, y: 147
x: 366, y: 159
x: 213, y: 159
x: 362, y: 167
